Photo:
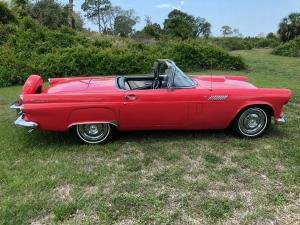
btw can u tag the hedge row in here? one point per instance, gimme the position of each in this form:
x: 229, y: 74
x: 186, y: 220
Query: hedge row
x: 237, y: 43
x: 29, y: 48
x: 291, y: 48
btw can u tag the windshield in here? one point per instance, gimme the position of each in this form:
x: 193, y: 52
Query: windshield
x: 181, y: 79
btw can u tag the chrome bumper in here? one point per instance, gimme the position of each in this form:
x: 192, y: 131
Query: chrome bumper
x: 280, y: 120
x: 18, y: 108
x: 20, y: 122
x: 23, y: 123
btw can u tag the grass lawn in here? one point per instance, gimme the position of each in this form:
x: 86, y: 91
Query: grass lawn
x: 168, y: 177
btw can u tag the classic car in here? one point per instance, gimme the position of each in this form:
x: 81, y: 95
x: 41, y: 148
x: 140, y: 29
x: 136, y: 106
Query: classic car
x: 93, y: 108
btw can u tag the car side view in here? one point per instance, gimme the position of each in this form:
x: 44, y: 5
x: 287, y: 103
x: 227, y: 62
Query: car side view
x: 93, y: 108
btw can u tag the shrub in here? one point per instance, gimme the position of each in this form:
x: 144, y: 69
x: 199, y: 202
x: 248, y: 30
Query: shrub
x: 193, y: 55
x: 90, y: 61
x: 6, y: 16
x: 291, y: 48
x: 14, y: 68
x: 29, y: 48
x: 5, y: 32
x: 236, y: 43
x: 135, y: 58
x: 262, y: 42
x: 232, y: 43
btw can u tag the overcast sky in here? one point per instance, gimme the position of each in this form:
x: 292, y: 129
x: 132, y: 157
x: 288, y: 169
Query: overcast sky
x: 251, y: 17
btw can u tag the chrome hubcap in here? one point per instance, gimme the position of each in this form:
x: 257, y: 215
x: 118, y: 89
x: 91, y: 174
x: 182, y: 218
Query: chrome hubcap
x: 93, y: 130
x: 253, y: 121
x: 93, y: 133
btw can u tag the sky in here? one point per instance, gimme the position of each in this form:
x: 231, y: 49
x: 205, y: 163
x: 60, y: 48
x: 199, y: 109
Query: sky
x: 251, y: 17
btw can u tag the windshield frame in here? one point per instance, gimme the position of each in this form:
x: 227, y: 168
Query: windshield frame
x: 176, y: 71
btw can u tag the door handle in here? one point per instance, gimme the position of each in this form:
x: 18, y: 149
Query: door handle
x: 130, y: 97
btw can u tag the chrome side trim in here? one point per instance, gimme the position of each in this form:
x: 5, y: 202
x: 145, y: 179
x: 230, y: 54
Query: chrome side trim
x: 115, y: 123
x: 23, y: 123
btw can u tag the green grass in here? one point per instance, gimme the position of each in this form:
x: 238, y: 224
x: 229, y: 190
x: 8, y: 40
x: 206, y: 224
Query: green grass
x: 187, y: 177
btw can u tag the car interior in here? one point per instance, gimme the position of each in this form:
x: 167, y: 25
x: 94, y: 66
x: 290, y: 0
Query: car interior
x: 157, y: 81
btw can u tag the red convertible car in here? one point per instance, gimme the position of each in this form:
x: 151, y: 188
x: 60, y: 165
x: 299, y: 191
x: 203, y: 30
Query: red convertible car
x: 94, y: 107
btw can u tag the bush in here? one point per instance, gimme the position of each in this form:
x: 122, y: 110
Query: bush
x: 262, y: 42
x: 29, y: 48
x: 193, y: 55
x: 90, y: 61
x: 232, y: 43
x: 14, y: 67
x: 6, y: 16
x: 236, y: 43
x: 291, y: 48
x: 135, y: 58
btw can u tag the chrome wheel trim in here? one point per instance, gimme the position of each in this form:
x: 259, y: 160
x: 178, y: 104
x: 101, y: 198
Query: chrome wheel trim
x: 252, y: 122
x: 93, y: 133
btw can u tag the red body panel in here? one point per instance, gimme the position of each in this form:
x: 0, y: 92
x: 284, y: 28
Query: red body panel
x: 212, y: 104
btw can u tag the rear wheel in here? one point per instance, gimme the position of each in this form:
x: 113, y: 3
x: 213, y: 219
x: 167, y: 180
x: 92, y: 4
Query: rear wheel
x: 252, y: 122
x: 93, y: 133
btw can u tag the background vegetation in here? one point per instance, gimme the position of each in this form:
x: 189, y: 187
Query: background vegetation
x: 47, y: 38
x: 30, y: 48
x: 291, y: 48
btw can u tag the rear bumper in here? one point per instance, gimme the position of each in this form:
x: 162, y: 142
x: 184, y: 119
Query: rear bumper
x: 23, y: 123
x: 18, y: 108
x: 20, y: 122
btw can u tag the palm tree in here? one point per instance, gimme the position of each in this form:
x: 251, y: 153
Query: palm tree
x: 289, y: 28
x: 70, y: 13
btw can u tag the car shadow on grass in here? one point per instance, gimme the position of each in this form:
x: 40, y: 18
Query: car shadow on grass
x: 66, y: 141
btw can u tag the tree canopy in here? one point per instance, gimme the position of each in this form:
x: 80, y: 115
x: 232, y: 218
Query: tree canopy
x: 226, y: 31
x: 94, y: 9
x: 289, y: 27
x: 53, y: 15
x: 6, y: 15
x: 182, y: 25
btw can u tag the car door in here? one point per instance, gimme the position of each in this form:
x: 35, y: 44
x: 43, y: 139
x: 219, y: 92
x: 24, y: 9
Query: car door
x: 154, y: 109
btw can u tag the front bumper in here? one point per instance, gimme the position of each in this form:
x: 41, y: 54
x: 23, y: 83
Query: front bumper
x: 20, y: 122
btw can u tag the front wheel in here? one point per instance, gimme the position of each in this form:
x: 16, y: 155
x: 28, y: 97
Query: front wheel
x: 93, y: 133
x: 252, y: 122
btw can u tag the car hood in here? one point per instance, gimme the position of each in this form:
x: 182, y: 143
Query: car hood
x: 222, y: 82
x: 81, y: 84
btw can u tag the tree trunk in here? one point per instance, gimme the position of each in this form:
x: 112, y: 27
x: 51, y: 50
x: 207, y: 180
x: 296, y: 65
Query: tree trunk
x: 70, y: 13
x: 98, y: 17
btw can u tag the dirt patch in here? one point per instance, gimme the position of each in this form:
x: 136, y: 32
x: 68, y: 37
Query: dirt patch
x: 63, y: 193
x: 289, y: 214
x: 193, y: 165
x: 127, y: 222
x: 90, y: 190
x: 189, y: 219
x: 43, y: 220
